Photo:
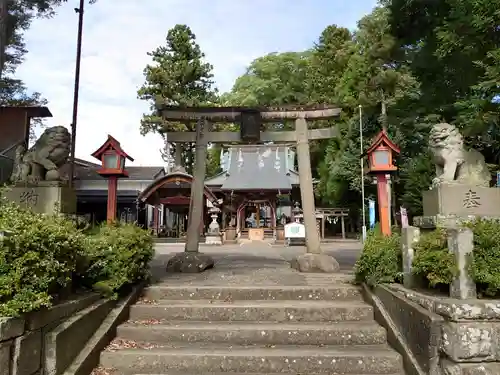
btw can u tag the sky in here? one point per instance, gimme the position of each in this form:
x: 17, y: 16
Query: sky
x: 118, y: 34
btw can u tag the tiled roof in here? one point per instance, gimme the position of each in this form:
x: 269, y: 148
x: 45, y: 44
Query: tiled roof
x: 257, y: 168
x: 85, y: 170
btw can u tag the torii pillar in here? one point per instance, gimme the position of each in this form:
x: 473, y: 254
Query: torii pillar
x: 191, y: 260
x: 314, y: 260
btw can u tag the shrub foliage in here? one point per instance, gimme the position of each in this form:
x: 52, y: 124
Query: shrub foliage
x: 115, y: 255
x: 433, y: 264
x: 44, y: 257
x: 485, y: 264
x: 380, y: 260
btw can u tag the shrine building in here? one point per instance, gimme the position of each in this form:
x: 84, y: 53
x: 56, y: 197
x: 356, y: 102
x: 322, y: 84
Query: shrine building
x: 254, y: 192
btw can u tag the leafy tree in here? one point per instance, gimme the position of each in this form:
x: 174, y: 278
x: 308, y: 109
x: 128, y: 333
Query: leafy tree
x: 178, y: 75
x: 453, y: 47
x: 328, y: 62
x: 274, y: 79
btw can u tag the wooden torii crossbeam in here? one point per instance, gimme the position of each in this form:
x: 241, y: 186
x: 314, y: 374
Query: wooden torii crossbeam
x: 232, y: 114
x: 204, y: 116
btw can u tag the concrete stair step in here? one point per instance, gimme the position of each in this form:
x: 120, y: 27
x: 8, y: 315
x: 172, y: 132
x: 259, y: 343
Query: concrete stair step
x: 289, y: 359
x: 237, y: 333
x: 272, y: 292
x: 270, y: 311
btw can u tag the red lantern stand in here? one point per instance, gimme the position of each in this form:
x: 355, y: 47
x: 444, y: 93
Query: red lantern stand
x: 112, y: 158
x: 380, y: 163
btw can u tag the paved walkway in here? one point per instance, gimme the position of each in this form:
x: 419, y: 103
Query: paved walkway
x: 254, y: 264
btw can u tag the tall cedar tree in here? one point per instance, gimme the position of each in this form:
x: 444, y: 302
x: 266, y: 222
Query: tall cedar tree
x: 178, y: 75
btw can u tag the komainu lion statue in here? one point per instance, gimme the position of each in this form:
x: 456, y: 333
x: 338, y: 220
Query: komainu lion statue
x: 42, y: 161
x: 453, y: 162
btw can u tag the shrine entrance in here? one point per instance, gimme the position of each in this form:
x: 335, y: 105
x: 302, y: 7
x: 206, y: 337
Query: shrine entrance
x: 257, y: 220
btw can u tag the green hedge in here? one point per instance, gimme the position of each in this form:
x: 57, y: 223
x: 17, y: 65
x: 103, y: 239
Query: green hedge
x: 45, y: 257
x: 485, y: 267
x: 380, y: 261
x: 433, y: 265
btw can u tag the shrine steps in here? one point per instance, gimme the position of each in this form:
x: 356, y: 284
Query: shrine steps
x: 324, y: 329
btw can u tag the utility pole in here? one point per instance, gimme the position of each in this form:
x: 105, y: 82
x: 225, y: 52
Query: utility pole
x: 389, y: 181
x: 80, y: 11
x: 363, y: 228
x: 4, y: 18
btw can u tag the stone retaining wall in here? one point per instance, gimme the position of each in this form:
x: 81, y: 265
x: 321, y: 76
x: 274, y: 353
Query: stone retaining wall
x: 456, y: 334
x: 448, y: 336
x: 46, y: 342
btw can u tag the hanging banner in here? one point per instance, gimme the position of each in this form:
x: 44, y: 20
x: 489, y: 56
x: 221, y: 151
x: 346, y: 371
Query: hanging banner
x: 371, y: 213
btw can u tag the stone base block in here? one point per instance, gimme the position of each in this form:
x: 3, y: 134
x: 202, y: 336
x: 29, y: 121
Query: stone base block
x: 190, y: 262
x: 318, y: 263
x: 461, y: 200
x: 44, y: 197
x: 211, y: 239
x: 482, y: 368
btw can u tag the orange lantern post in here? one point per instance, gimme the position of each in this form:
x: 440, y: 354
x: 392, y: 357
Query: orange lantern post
x: 112, y: 158
x: 380, y: 163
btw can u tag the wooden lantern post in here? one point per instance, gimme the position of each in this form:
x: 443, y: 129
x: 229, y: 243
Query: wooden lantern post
x: 112, y: 158
x: 380, y: 163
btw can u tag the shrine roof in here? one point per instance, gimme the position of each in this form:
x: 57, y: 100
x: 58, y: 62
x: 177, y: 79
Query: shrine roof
x: 263, y: 167
x: 31, y: 111
x: 86, y: 170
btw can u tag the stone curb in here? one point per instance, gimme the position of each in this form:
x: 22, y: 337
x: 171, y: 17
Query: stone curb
x: 393, y: 336
x: 88, y: 358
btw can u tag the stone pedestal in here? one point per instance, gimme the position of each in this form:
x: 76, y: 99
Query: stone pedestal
x: 230, y: 234
x: 448, y: 205
x: 45, y: 197
x: 315, y: 263
x: 190, y: 262
x: 461, y: 200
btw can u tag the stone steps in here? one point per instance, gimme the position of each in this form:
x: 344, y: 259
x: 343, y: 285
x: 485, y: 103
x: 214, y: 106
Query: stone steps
x: 337, y: 292
x: 289, y: 359
x: 274, y: 311
x: 243, y: 333
x: 322, y: 329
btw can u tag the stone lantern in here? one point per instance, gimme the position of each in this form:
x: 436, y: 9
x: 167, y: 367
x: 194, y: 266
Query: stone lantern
x: 213, y: 235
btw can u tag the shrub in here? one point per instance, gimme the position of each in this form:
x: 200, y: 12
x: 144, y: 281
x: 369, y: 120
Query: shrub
x: 116, y: 256
x: 44, y: 257
x: 37, y: 258
x: 380, y: 261
x: 485, y: 264
x: 433, y: 263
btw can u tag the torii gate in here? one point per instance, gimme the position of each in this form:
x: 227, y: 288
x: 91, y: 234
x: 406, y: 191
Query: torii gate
x: 250, y: 120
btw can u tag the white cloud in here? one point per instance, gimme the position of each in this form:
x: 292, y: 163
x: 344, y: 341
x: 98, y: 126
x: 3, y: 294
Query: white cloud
x: 119, y: 33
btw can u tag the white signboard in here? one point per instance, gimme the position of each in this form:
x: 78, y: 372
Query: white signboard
x: 295, y: 230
